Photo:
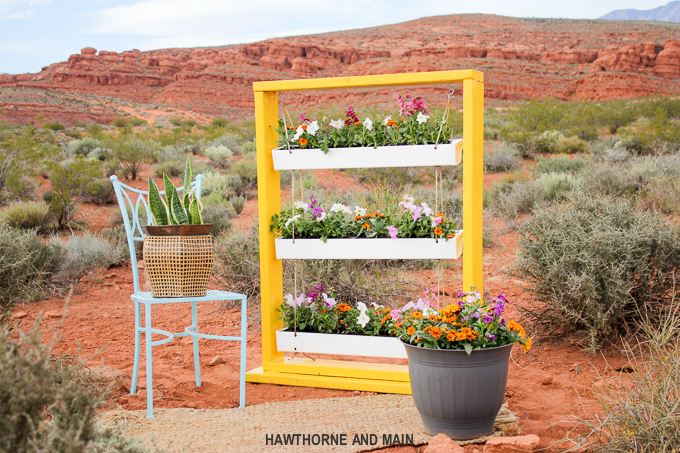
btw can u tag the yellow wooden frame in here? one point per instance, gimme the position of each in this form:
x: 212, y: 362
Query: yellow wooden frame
x: 276, y: 369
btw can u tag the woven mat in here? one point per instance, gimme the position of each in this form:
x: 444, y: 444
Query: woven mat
x: 244, y: 430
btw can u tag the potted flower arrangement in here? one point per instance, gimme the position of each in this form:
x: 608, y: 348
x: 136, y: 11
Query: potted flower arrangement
x: 178, y: 247
x: 400, y: 231
x: 458, y: 362
x: 365, y: 330
x: 409, y: 140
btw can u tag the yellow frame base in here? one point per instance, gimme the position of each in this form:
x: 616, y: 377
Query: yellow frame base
x: 361, y: 376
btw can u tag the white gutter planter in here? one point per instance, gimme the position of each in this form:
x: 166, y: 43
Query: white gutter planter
x: 363, y: 157
x: 370, y: 248
x: 340, y: 344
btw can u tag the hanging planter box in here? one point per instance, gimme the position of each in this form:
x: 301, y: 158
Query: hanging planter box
x: 380, y: 157
x: 338, y: 344
x: 369, y: 249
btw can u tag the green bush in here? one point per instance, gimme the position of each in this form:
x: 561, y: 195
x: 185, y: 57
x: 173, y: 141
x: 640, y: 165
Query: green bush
x: 54, y: 126
x: 556, y: 186
x: 504, y: 158
x: 595, y: 264
x: 87, y: 253
x: 99, y: 191
x: 231, y: 141
x: 611, y: 180
x: 238, y: 203
x: 557, y: 164
x: 661, y: 194
x: 219, y: 154
x: 47, y: 403
x: 26, y: 264
x: 512, y: 200
x: 133, y: 153
x: 246, y: 169
x: 219, y: 122
x: 25, y: 215
x: 173, y: 169
x: 547, y: 141
x: 120, y: 122
x: 216, y: 212
x: 84, y: 146
x: 71, y: 181
x: 571, y: 145
x: 238, y: 263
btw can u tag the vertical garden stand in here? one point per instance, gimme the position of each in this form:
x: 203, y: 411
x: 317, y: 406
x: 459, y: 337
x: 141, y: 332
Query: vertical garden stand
x: 374, y: 377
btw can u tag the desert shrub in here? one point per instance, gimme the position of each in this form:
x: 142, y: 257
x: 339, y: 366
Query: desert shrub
x: 99, y: 191
x: 70, y: 183
x: 595, y: 264
x: 238, y: 263
x: 571, y: 145
x: 518, y: 198
x: 74, y: 134
x: 101, y: 154
x: 249, y: 147
x: 231, y: 141
x: 217, y: 213
x: 94, y: 129
x: 612, y: 155
x: 111, y: 167
x: 26, y: 263
x: 238, y: 203
x: 504, y: 158
x: 219, y: 122
x: 616, y: 114
x: 219, y: 154
x: 86, y: 253
x: 246, y: 169
x: 639, y: 408
x: 133, y: 153
x: 137, y: 122
x: 173, y: 169
x: 84, y: 146
x: 393, y: 177
x: 54, y: 126
x: 557, y: 164
x: 610, y: 180
x: 120, y: 122
x: 557, y: 185
x: 25, y: 215
x: 661, y: 194
x: 48, y: 403
x: 546, y: 142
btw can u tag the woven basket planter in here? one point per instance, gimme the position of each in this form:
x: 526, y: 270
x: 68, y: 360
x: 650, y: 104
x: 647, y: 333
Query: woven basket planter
x: 178, y: 260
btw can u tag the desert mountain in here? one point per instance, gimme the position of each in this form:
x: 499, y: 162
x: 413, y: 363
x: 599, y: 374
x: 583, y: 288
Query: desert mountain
x: 521, y: 59
x: 666, y: 13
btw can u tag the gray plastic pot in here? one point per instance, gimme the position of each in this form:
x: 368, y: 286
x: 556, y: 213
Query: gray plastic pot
x: 458, y: 394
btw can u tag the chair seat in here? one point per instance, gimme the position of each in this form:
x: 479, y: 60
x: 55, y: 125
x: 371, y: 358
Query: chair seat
x: 212, y: 294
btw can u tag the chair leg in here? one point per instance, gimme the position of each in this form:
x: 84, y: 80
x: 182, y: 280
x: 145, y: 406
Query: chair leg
x: 197, y: 357
x: 149, y: 368
x: 135, y: 367
x: 244, y: 338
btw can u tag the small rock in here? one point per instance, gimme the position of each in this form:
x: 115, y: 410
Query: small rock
x: 519, y: 444
x: 547, y: 381
x: 140, y: 264
x: 111, y: 275
x: 441, y: 443
x: 217, y: 360
x: 191, y: 405
x: 53, y: 314
x: 19, y: 314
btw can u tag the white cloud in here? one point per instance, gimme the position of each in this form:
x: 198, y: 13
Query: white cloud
x: 8, y: 5
x: 20, y: 15
x: 16, y: 47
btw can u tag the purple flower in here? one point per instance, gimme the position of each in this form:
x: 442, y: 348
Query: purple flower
x: 502, y: 322
x: 329, y: 301
x: 488, y: 318
x: 313, y: 295
x: 351, y: 116
x: 318, y: 288
x: 393, y: 231
x: 462, y: 294
x: 303, y: 116
x: 317, y: 212
x: 490, y: 337
x: 313, y: 199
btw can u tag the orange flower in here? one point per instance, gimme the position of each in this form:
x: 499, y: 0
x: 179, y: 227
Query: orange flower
x: 304, y: 127
x: 410, y: 331
x: 399, y: 324
x: 513, y: 325
x: 440, y: 215
x: 384, y: 320
x: 527, y: 346
x: 418, y: 315
x: 303, y: 141
x: 357, y: 123
x: 290, y: 127
x: 451, y: 236
x: 437, y: 231
x: 418, y: 339
x: 435, y: 332
x: 366, y: 226
x: 357, y: 218
x: 451, y: 336
x: 451, y: 308
x: 391, y: 123
x: 344, y: 307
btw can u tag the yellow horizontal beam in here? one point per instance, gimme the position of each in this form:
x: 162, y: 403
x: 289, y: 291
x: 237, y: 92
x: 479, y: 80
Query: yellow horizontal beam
x: 334, y: 368
x: 260, y: 376
x: 372, y: 81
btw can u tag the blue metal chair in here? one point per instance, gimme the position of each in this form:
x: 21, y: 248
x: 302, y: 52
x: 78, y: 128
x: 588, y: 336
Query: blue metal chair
x: 133, y: 230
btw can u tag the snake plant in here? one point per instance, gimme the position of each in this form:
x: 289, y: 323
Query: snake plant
x: 175, y: 210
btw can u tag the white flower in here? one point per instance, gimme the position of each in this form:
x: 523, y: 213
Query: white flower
x: 374, y: 305
x: 387, y: 120
x: 301, y: 205
x: 321, y: 217
x: 359, y: 211
x: 292, y: 219
x: 422, y: 118
x: 298, y: 132
x: 338, y: 124
x: 362, y: 307
x: 339, y: 207
x: 313, y: 127
x: 471, y: 299
x: 363, y: 319
x: 426, y: 209
x: 329, y: 301
x: 368, y: 124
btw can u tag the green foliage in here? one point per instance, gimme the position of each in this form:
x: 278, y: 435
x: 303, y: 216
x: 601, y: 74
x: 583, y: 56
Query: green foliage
x: 175, y: 210
x: 246, y: 170
x: 85, y: 146
x: 546, y: 142
x: 71, y: 181
x: 557, y: 185
x: 511, y: 200
x: 219, y: 122
x: 45, y: 402
x: 54, y: 126
x: 238, y: 263
x: 219, y: 154
x: 595, y: 264
x: 120, y: 122
x: 133, y: 153
x: 86, y: 253
x: 571, y: 145
x: 217, y: 212
x: 25, y: 215
x: 238, y: 203
x: 609, y: 180
x: 26, y: 264
x: 503, y: 158
x: 557, y: 164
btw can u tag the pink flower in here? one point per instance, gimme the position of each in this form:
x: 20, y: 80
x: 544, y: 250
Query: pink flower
x: 395, y: 314
x: 437, y: 220
x: 329, y: 301
x: 408, y: 306
x: 426, y: 209
x: 416, y: 213
x: 393, y: 231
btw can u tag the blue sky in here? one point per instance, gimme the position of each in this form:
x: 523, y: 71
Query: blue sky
x: 36, y: 33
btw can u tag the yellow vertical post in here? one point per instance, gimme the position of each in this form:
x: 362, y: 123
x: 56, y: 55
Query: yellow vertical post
x: 269, y: 203
x: 473, y: 183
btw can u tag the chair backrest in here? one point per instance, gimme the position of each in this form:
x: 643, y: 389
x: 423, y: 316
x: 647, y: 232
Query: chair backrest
x: 130, y: 211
